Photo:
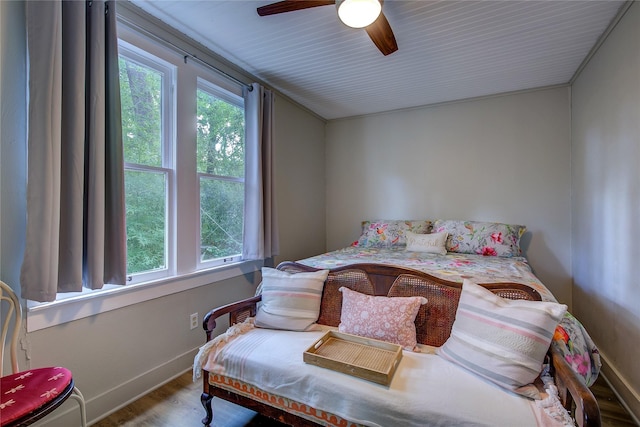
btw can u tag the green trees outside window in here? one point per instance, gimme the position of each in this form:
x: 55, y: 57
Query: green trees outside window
x: 146, y: 86
x: 220, y: 159
x: 141, y: 93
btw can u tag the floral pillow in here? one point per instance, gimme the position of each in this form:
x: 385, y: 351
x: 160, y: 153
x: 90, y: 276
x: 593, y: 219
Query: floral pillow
x: 380, y: 318
x: 388, y: 233
x: 482, y: 238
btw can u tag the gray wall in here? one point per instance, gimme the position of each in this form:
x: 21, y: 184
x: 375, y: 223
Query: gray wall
x: 121, y: 354
x: 503, y: 159
x: 606, y: 203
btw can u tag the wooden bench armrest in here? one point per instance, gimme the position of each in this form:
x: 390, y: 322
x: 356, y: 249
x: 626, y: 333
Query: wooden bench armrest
x: 238, y: 311
x: 572, y: 390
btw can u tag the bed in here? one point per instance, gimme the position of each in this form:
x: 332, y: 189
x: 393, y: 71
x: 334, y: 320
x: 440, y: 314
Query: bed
x: 448, y: 252
x: 454, y: 250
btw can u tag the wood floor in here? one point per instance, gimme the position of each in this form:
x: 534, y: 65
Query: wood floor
x: 177, y: 404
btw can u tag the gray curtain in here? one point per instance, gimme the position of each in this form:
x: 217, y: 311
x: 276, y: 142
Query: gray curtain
x: 75, y: 192
x: 260, y: 225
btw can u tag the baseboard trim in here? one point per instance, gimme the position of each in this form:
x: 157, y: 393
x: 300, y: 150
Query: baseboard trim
x: 629, y: 398
x: 110, y: 401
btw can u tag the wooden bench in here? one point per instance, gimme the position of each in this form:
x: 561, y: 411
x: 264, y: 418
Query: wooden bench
x: 433, y: 327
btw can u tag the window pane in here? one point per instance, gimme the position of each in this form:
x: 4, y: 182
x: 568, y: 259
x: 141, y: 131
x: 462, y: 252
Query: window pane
x: 221, y: 218
x: 145, y: 195
x: 141, y: 94
x: 220, y: 136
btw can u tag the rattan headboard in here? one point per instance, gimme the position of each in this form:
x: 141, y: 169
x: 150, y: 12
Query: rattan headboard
x: 434, y: 320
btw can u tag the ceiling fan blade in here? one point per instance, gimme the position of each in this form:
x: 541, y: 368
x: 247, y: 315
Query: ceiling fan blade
x: 291, y: 5
x: 382, y: 36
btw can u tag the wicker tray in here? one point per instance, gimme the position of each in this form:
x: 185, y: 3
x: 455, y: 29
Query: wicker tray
x: 365, y: 358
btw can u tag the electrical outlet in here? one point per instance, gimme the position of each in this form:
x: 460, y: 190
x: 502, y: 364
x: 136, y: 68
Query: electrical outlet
x: 193, y: 321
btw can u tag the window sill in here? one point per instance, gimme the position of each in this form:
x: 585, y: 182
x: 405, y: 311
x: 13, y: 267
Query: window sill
x: 90, y: 303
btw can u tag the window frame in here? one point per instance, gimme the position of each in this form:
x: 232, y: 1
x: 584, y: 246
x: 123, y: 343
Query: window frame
x: 168, y: 144
x: 237, y: 100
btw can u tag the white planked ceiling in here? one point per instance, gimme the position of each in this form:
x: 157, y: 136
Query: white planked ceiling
x: 447, y: 50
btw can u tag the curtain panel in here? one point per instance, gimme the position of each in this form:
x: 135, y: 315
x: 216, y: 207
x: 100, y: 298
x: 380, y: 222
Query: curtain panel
x: 76, y: 232
x: 260, y: 225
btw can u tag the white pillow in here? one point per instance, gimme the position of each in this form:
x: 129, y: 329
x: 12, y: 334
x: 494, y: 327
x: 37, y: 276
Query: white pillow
x: 501, y: 340
x: 290, y: 301
x: 430, y: 243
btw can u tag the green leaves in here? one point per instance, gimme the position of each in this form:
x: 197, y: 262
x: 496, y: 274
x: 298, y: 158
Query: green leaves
x: 220, y: 152
x: 220, y: 136
x: 145, y: 195
x: 220, y: 159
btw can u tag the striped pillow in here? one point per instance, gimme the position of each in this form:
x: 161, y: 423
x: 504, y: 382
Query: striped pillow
x: 501, y: 340
x: 290, y: 300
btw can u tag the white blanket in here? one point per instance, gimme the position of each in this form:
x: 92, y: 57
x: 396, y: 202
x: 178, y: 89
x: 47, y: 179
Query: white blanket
x: 425, y: 390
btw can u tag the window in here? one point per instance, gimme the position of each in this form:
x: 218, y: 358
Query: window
x: 170, y: 153
x: 220, y: 166
x: 146, y: 84
x: 147, y: 116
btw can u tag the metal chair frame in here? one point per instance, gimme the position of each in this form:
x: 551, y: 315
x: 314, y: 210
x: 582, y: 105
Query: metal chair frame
x: 14, y: 312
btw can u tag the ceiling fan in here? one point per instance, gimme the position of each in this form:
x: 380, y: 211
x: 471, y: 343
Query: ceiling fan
x: 376, y: 25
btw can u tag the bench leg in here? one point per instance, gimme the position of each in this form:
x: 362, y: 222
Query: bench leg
x: 206, y: 403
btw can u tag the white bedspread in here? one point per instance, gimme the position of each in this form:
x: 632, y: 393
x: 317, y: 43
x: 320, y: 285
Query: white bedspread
x: 425, y: 390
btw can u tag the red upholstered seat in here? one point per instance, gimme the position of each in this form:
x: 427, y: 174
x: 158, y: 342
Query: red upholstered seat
x: 24, y: 392
x: 27, y: 396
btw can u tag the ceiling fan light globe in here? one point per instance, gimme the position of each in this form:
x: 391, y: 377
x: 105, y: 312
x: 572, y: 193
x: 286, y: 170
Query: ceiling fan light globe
x: 358, y: 13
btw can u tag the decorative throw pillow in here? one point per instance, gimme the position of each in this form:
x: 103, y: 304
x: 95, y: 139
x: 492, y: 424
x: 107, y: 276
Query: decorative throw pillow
x: 482, y: 238
x: 380, y: 318
x: 433, y: 243
x: 503, y: 341
x: 388, y: 233
x: 290, y: 300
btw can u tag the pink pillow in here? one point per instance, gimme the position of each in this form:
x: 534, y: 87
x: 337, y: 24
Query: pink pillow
x: 388, y: 319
